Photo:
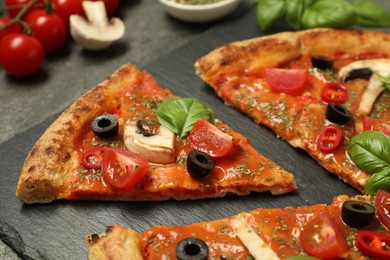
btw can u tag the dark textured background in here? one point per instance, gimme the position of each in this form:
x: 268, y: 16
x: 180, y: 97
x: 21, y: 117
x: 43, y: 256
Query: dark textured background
x: 57, y: 230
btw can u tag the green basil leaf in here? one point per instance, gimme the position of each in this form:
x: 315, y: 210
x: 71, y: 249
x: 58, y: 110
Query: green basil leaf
x: 370, y: 151
x: 294, y: 12
x: 301, y: 257
x: 180, y: 114
x: 268, y: 11
x: 328, y: 13
x: 370, y: 14
x: 378, y: 181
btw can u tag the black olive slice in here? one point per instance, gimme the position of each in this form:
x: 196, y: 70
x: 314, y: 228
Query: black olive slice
x: 199, y: 164
x: 105, y: 126
x: 321, y: 62
x: 147, y: 127
x: 358, y: 74
x: 338, y: 114
x: 357, y: 214
x: 192, y: 249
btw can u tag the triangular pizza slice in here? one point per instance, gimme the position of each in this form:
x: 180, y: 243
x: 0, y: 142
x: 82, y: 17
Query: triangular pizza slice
x: 130, y: 139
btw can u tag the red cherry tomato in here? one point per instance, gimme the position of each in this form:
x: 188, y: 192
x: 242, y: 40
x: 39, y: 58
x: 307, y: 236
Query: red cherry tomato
x: 321, y: 237
x: 122, y: 168
x: 289, y: 81
x: 371, y: 124
x: 16, y: 28
x: 330, y: 138
x: 382, y: 205
x: 93, y: 159
x: 65, y: 8
x: 21, y: 55
x: 209, y: 139
x: 14, y: 6
x: 49, y: 29
x: 373, y: 244
x: 111, y: 6
x: 332, y: 92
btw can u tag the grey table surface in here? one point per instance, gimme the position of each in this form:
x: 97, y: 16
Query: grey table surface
x: 150, y: 33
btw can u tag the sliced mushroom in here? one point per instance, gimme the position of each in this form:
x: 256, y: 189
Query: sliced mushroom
x: 96, y: 32
x: 375, y: 85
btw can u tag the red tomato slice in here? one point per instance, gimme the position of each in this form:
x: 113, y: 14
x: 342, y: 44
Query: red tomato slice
x: 209, y: 139
x: 373, y: 244
x: 332, y: 92
x: 371, y: 124
x: 289, y: 81
x: 322, y: 238
x: 93, y: 159
x: 382, y: 205
x: 122, y: 168
x: 330, y: 138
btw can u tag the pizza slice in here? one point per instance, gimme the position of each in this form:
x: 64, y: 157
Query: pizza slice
x: 130, y: 139
x: 317, y: 89
x: 346, y: 229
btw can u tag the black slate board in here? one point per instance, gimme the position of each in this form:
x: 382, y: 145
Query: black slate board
x: 57, y: 230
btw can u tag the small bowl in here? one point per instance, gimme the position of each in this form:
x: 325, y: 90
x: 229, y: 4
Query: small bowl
x: 199, y: 13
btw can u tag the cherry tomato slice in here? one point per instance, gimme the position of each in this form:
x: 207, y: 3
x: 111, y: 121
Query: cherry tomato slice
x: 332, y: 92
x: 373, y: 244
x: 330, y: 138
x: 382, y: 205
x: 93, y: 159
x: 123, y: 169
x: 371, y: 124
x: 209, y: 139
x: 322, y: 237
x: 289, y: 81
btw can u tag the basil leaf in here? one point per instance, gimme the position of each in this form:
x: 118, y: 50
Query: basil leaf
x: 268, y: 11
x: 370, y: 14
x: 294, y: 11
x: 301, y: 257
x: 378, y: 181
x: 180, y: 114
x: 327, y: 13
x: 370, y: 151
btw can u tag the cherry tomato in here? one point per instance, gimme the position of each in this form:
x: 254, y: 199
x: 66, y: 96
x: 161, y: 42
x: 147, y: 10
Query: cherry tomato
x: 373, y: 244
x: 209, y: 139
x: 21, y: 55
x: 382, y: 205
x: 122, y: 168
x: 49, y: 29
x: 330, y: 138
x: 371, y: 124
x: 65, y: 8
x: 14, y: 6
x: 16, y: 28
x: 332, y: 92
x: 321, y: 237
x: 289, y: 81
x: 93, y: 159
x: 111, y: 6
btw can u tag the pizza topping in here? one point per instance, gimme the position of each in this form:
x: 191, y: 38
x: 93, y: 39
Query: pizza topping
x: 373, y: 244
x: 382, y: 205
x: 192, y: 249
x: 207, y: 138
x: 332, y: 92
x: 93, y: 159
x: 358, y: 74
x: 321, y: 237
x: 199, y: 164
x: 321, y: 62
x: 156, y: 148
x: 123, y: 169
x: 289, y: 81
x: 338, y: 114
x: 105, y: 126
x: 330, y: 138
x: 357, y: 214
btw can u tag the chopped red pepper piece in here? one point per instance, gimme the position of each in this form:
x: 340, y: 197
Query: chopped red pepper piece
x: 373, y: 244
x: 332, y: 92
x: 330, y: 138
x: 93, y: 159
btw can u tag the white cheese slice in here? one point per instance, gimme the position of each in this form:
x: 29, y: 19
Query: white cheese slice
x: 255, y: 245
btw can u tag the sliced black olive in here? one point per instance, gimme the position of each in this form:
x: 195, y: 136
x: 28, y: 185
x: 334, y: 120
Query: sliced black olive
x: 338, y: 114
x: 192, y: 249
x: 199, y: 164
x: 357, y: 214
x: 321, y: 62
x: 105, y: 126
x: 147, y: 127
x: 358, y: 74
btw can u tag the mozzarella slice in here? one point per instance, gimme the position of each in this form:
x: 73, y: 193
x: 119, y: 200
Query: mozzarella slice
x: 158, y: 148
x: 255, y: 245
